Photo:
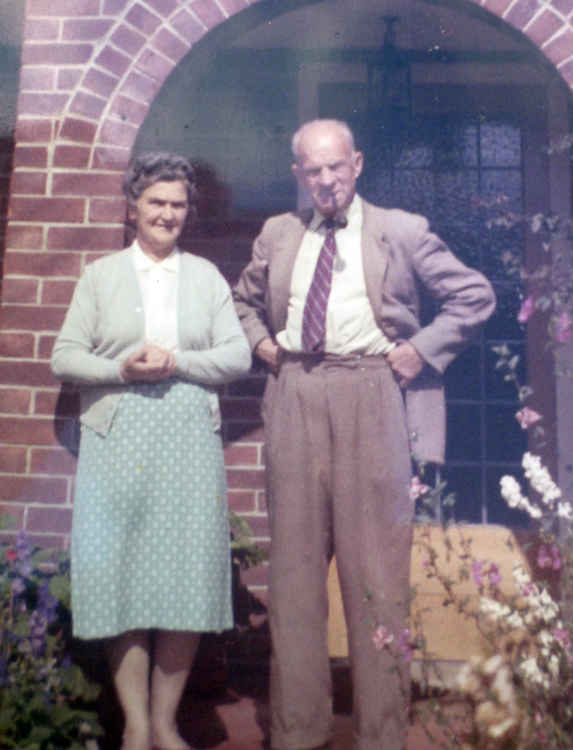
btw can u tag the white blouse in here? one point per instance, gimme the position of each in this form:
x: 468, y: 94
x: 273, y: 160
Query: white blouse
x: 159, y: 283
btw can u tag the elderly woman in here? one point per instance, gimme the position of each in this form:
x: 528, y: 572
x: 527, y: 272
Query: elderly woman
x: 149, y: 335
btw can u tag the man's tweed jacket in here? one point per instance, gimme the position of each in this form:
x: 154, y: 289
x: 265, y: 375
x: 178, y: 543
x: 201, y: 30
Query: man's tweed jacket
x: 403, y: 261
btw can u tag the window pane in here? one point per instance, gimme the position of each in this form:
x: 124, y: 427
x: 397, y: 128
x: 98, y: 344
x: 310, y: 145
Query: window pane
x: 497, y: 241
x: 413, y: 154
x: 465, y: 483
x: 456, y: 145
x: 376, y: 187
x: 463, y: 376
x: 503, y: 324
x: 455, y: 194
x: 413, y: 189
x: 464, y: 432
x: 505, y: 440
x: 500, y: 145
x: 496, y: 388
x: 503, y: 183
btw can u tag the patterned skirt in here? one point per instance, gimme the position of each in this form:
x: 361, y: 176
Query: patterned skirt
x: 150, y: 538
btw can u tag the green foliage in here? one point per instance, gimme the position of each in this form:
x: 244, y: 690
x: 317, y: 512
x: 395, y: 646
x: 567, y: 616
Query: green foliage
x: 549, y: 284
x: 245, y: 553
x: 45, y: 698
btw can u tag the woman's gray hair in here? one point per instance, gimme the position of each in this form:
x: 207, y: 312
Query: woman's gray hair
x: 339, y: 124
x: 148, y: 168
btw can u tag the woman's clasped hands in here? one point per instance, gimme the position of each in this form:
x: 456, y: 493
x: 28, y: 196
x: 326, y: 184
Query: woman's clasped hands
x: 149, y: 364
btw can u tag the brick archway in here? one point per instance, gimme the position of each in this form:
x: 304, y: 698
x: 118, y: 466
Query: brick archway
x: 90, y: 70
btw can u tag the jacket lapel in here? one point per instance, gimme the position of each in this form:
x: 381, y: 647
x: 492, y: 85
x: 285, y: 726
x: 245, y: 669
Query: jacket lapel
x: 375, y: 255
x: 282, y: 266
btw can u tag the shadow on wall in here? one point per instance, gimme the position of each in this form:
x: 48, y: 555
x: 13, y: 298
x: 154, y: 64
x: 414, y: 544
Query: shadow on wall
x: 6, y: 158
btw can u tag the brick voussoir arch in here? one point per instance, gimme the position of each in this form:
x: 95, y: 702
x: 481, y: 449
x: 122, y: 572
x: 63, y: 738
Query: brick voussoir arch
x: 126, y: 69
x: 136, y: 46
x: 147, y: 38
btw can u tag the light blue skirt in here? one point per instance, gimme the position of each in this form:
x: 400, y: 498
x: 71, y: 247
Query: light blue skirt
x: 150, y: 537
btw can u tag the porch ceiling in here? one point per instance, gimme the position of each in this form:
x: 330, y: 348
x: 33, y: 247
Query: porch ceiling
x: 423, y: 25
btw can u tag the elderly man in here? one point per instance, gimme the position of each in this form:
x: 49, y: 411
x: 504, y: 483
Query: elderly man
x: 330, y: 302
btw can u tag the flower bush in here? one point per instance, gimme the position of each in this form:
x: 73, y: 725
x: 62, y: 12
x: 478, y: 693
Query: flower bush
x: 518, y: 691
x: 46, y: 701
x: 522, y: 694
x: 550, y: 283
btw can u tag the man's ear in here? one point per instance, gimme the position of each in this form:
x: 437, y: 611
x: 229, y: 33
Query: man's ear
x: 358, y: 158
x: 295, y: 169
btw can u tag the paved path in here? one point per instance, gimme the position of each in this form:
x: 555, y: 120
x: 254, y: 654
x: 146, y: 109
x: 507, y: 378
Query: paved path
x: 232, y: 713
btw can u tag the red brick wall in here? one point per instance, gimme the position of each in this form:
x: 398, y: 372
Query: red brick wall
x: 90, y: 69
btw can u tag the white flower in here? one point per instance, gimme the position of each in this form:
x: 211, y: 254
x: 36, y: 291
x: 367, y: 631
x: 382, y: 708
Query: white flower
x: 521, y: 576
x: 515, y: 621
x: 492, y: 665
x: 546, y: 640
x: 493, y: 609
x: 499, y: 730
x: 553, y: 666
x: 468, y: 680
x: 540, y: 607
x: 502, y: 685
x: 511, y: 491
x: 564, y: 510
x: 547, y: 607
x: 500, y: 613
x: 532, y: 674
x: 540, y: 479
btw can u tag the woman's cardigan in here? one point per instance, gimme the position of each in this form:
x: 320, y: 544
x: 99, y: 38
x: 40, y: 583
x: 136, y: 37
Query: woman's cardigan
x: 106, y: 323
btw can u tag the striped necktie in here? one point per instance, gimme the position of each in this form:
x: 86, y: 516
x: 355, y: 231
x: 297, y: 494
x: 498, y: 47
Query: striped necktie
x: 314, y: 314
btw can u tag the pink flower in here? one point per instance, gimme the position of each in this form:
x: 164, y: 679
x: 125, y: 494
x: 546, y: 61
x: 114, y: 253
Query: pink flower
x: 480, y: 572
x: 11, y: 555
x: 562, y: 635
x: 563, y: 328
x: 543, y: 557
x: 477, y: 571
x: 549, y: 557
x: 18, y: 586
x: 529, y: 589
x: 493, y: 575
x: 526, y: 309
x: 382, y: 637
x: 405, y: 644
x: 526, y: 417
x: 417, y: 488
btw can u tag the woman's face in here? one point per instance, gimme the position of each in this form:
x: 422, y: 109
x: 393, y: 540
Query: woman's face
x: 159, y: 215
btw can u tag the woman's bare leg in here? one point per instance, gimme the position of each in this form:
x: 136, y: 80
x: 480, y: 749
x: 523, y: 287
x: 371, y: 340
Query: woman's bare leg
x: 174, y: 653
x: 129, y: 660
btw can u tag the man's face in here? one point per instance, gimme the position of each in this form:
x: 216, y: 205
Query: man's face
x: 328, y: 168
